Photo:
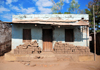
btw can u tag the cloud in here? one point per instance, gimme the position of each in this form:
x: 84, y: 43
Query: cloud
x: 67, y: 1
x: 2, y: 9
x: 44, y: 6
x: 44, y: 3
x: 20, y: 9
x: 10, y: 1
x: 15, y: 8
x: 27, y: 10
x: 7, y: 16
x: 44, y: 10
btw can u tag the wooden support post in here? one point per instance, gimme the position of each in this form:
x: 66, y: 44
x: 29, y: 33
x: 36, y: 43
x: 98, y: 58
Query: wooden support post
x: 94, y: 35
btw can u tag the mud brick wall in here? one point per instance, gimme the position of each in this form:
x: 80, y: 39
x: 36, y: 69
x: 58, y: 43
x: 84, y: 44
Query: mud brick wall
x: 5, y: 38
x: 65, y: 48
x: 28, y: 48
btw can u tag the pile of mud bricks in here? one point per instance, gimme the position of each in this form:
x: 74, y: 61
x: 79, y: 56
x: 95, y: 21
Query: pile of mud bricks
x: 66, y: 48
x: 28, y: 48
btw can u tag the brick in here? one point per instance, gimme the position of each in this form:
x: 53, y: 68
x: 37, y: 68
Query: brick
x: 16, y: 51
x: 39, y: 49
x: 20, y: 51
x: 29, y: 51
x: 24, y: 51
x: 20, y: 46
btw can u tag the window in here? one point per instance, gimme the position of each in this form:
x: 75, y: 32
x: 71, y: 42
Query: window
x: 26, y: 35
x: 69, y: 35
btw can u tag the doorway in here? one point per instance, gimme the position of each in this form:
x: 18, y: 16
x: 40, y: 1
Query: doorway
x: 47, y: 39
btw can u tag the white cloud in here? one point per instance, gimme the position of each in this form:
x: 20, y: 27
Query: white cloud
x: 10, y: 1
x: 2, y: 9
x: 15, y: 8
x: 27, y: 10
x: 44, y: 6
x: 7, y: 16
x: 44, y: 3
x: 67, y: 1
x: 20, y: 9
x: 44, y: 10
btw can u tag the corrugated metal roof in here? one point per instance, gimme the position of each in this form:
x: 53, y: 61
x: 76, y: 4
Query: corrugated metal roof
x: 41, y: 20
x: 73, y: 23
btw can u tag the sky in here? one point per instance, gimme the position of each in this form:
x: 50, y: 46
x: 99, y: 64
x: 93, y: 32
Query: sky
x: 18, y: 7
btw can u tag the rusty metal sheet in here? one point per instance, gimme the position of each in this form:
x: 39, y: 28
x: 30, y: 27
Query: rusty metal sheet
x: 73, y: 23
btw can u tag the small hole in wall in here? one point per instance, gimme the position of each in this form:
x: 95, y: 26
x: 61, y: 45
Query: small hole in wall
x: 82, y: 18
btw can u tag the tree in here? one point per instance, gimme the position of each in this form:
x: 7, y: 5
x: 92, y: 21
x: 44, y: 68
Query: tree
x: 57, y: 6
x: 66, y: 12
x: 74, y: 7
x: 96, y: 3
x: 82, y: 11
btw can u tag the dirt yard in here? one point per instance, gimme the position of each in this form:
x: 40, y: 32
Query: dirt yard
x: 60, y: 65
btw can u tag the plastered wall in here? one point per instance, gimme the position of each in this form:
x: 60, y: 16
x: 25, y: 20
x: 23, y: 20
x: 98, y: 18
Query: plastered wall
x: 81, y: 34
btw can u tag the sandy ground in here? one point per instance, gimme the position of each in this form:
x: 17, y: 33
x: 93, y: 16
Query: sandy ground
x: 60, y: 65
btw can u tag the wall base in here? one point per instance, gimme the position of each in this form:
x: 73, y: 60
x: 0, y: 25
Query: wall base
x: 48, y: 56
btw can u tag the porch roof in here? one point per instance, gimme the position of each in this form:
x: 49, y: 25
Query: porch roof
x: 52, y: 19
x: 61, y: 23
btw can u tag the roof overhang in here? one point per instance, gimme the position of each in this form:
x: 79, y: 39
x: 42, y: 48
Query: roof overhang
x: 52, y: 19
x: 56, y: 23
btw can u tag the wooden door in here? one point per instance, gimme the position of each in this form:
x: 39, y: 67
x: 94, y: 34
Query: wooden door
x: 26, y: 35
x: 69, y: 35
x: 47, y: 39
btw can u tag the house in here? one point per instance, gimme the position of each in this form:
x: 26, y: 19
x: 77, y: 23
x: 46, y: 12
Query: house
x: 47, y: 29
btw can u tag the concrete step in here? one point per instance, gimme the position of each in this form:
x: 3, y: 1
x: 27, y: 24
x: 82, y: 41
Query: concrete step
x: 45, y: 60
x: 48, y: 57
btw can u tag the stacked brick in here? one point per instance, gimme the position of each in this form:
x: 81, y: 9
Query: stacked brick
x: 65, y: 48
x: 28, y: 48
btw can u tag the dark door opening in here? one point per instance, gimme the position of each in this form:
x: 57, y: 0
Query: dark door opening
x: 47, y: 39
x: 26, y: 35
x: 69, y: 35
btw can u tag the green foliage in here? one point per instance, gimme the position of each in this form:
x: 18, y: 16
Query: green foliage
x: 98, y: 31
x: 66, y: 12
x: 58, y: 13
x: 82, y: 11
x: 56, y: 8
x: 74, y: 7
x: 96, y: 4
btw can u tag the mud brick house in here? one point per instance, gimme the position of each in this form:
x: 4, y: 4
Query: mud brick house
x: 47, y: 29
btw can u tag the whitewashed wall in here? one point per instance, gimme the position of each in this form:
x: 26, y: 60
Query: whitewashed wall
x: 48, y: 16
